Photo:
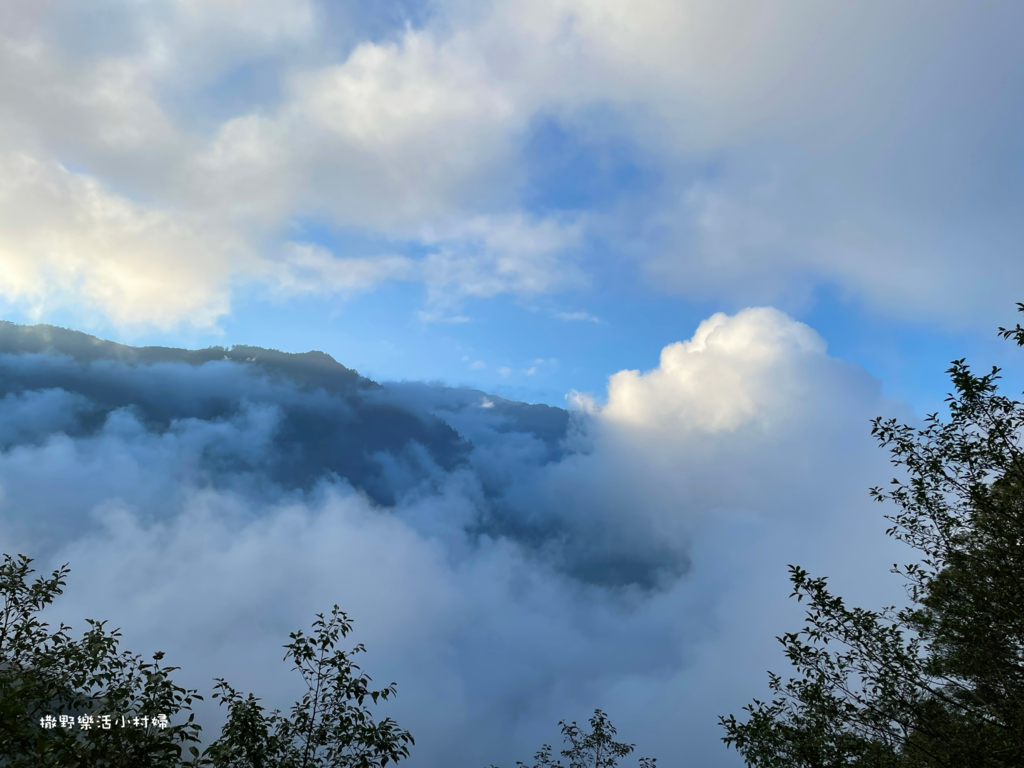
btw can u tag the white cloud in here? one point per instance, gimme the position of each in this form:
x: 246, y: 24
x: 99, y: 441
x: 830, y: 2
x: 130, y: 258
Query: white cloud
x: 102, y: 107
x: 537, y: 363
x: 370, y: 139
x: 747, y: 407
x: 832, y: 165
x: 436, y: 316
x: 581, y: 401
x: 576, y: 316
x: 728, y: 82
x: 309, y: 268
x: 733, y: 370
x: 485, y: 256
x: 388, y: 98
x: 262, y: 25
x: 67, y: 240
x: 64, y: 239
x: 706, y: 461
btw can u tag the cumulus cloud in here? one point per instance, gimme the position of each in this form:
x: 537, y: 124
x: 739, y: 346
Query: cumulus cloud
x: 509, y: 567
x: 722, y: 378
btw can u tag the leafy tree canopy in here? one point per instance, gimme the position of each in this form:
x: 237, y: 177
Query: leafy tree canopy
x: 69, y: 703
x: 596, y: 749
x: 939, y: 683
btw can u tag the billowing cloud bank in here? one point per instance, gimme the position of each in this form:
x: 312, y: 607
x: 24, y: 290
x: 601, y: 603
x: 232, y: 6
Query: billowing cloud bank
x: 179, y: 144
x: 508, y: 568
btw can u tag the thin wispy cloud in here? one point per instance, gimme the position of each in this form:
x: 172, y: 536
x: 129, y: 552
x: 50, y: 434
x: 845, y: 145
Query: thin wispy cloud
x: 577, y: 316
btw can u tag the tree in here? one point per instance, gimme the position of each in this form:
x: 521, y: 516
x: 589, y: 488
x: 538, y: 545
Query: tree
x: 52, y: 685
x: 940, y: 682
x: 597, y: 749
x: 69, y: 703
x: 329, y: 726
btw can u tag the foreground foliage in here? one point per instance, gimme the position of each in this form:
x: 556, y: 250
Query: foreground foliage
x: 46, y: 674
x: 330, y: 725
x: 68, y: 703
x: 597, y: 749
x: 52, y: 685
x: 941, y: 682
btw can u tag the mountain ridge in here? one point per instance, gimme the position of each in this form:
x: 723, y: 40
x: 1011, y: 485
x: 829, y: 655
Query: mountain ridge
x: 348, y: 433
x: 312, y: 368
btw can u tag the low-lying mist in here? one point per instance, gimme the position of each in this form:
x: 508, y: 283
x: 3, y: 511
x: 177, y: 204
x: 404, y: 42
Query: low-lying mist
x: 508, y: 565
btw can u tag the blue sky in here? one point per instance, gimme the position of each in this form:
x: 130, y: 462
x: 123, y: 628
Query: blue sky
x: 379, y: 336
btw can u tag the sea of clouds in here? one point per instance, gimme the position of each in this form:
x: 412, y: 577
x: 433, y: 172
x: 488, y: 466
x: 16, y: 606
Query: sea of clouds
x: 507, y: 567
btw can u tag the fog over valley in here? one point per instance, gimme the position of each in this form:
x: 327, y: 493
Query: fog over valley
x: 507, y: 564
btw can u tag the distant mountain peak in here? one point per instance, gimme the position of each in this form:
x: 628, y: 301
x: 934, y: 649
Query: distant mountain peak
x: 314, y: 368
